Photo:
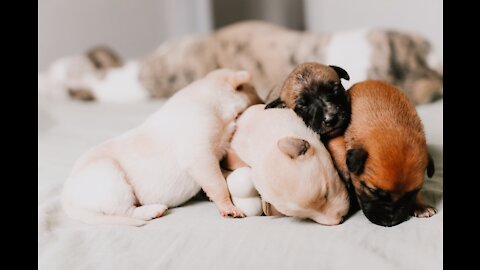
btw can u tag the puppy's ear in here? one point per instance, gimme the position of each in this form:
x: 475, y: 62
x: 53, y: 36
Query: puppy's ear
x: 276, y: 103
x: 341, y: 72
x: 238, y: 78
x: 104, y: 57
x: 293, y: 147
x: 356, y: 160
x: 430, y: 166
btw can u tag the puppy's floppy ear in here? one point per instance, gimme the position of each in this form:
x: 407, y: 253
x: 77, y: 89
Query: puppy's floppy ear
x: 276, y: 103
x: 356, y: 160
x: 293, y: 147
x: 341, y: 72
x: 103, y: 57
x: 238, y: 78
x: 430, y: 166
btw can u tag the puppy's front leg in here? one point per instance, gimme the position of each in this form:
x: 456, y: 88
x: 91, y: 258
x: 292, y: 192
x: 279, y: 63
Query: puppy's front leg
x: 421, y: 209
x: 208, y: 175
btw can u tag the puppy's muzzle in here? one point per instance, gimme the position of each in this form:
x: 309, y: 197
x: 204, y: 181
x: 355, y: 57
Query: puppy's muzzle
x: 385, y: 214
x: 331, y: 120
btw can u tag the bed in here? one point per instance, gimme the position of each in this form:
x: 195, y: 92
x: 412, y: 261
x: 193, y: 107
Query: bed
x: 195, y: 236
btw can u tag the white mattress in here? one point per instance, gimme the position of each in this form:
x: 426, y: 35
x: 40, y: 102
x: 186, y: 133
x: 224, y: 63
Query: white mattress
x: 195, y: 236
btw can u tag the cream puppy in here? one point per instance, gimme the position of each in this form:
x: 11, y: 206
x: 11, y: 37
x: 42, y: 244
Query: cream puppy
x: 291, y: 169
x: 166, y: 160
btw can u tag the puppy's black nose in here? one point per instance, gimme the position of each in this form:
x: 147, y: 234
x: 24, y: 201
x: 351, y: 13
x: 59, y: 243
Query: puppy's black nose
x: 330, y: 120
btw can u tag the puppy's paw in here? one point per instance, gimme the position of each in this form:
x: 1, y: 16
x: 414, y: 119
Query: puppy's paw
x: 232, y: 211
x: 424, y: 211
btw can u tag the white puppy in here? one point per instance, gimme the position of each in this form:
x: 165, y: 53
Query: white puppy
x: 165, y: 161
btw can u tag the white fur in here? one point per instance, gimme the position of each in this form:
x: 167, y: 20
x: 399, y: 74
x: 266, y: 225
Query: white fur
x: 434, y: 61
x: 163, y: 162
x: 120, y: 85
x: 65, y: 73
x: 243, y: 192
x: 351, y: 51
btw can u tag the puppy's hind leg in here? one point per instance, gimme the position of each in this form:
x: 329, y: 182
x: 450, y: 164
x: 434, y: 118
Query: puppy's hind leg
x: 101, y: 194
x: 208, y: 175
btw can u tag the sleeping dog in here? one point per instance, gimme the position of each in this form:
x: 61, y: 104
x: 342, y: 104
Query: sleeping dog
x: 384, y: 154
x: 266, y: 50
x: 271, y: 52
x: 315, y: 92
x: 290, y: 167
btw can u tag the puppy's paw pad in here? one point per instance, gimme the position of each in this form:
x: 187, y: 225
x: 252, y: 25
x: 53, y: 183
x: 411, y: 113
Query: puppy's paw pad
x: 424, y: 211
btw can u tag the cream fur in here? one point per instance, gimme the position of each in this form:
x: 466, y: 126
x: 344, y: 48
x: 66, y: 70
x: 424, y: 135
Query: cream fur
x: 243, y: 192
x: 166, y: 160
x: 296, y: 187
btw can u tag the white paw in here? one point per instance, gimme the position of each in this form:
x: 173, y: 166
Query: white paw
x: 424, y: 211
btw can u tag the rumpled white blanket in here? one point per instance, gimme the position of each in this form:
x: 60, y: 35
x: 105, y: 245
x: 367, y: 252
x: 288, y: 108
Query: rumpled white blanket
x: 195, y: 236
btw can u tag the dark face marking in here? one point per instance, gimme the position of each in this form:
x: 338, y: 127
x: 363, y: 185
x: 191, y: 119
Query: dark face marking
x: 325, y: 108
x: 380, y: 209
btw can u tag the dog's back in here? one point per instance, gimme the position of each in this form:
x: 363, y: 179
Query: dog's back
x: 379, y: 103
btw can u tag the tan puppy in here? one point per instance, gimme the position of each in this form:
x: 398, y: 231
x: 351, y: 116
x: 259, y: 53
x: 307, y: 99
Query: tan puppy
x: 165, y: 161
x: 291, y: 169
x: 315, y: 92
x: 384, y: 152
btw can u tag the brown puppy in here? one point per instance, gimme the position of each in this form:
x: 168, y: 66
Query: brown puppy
x: 315, y: 92
x: 384, y: 152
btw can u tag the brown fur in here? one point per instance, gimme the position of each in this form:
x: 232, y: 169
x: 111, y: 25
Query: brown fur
x: 104, y: 57
x: 300, y: 77
x: 81, y: 94
x: 336, y: 147
x: 386, y: 125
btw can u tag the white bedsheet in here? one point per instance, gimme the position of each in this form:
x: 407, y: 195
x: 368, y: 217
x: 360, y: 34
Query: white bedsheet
x: 195, y: 236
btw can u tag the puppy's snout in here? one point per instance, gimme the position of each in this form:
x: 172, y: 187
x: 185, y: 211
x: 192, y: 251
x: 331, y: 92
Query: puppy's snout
x: 330, y: 120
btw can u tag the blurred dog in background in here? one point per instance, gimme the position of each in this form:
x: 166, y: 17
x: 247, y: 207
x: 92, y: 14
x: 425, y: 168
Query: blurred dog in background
x: 268, y: 51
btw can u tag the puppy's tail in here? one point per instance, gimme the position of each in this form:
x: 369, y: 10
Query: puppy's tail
x: 94, y: 218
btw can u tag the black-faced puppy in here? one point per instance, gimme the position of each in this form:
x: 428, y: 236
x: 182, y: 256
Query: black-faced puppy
x: 315, y: 92
x: 385, y: 152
